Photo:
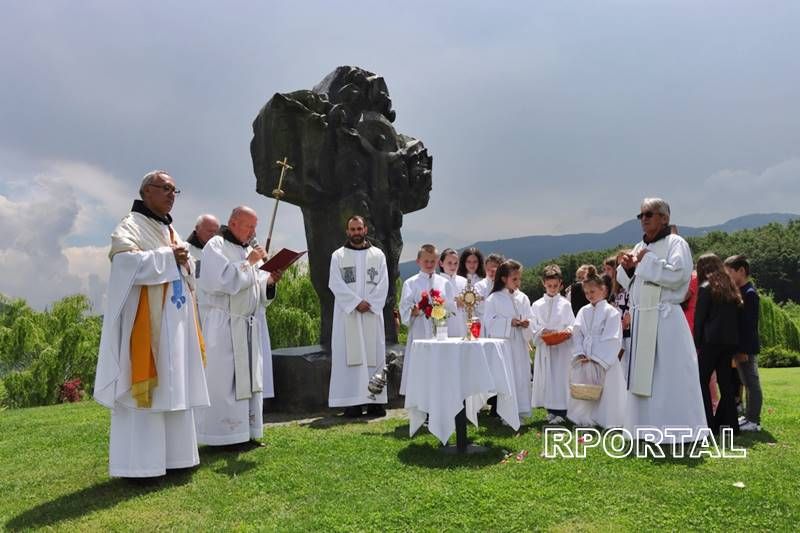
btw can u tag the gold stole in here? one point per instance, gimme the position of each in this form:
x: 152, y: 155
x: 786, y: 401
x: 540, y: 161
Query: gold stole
x: 145, y: 337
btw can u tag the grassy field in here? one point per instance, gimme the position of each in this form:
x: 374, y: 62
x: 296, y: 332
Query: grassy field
x: 324, y: 476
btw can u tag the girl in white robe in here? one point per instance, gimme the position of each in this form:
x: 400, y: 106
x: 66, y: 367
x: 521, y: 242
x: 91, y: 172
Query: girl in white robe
x: 448, y: 266
x: 484, y: 287
x: 552, y: 313
x: 470, y: 266
x: 597, y: 337
x: 507, y: 315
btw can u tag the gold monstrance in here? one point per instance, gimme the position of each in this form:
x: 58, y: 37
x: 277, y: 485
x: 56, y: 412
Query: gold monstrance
x: 470, y: 298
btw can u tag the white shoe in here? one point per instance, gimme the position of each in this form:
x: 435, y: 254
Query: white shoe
x: 550, y: 417
x: 749, y: 426
x: 557, y: 420
x: 742, y: 420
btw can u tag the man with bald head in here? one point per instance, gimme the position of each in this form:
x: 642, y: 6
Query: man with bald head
x: 150, y: 365
x: 236, y: 292
x: 206, y: 227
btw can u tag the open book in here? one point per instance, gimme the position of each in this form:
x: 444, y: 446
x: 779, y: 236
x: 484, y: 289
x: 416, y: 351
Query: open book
x: 282, y: 260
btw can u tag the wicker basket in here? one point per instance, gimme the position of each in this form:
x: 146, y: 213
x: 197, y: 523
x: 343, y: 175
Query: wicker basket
x: 584, y: 391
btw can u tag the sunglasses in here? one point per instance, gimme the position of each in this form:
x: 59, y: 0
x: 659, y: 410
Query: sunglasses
x: 646, y: 214
x: 167, y: 188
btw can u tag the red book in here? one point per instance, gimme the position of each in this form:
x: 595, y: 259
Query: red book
x: 282, y: 260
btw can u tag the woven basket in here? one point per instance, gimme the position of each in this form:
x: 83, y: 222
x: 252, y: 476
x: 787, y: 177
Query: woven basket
x: 583, y: 391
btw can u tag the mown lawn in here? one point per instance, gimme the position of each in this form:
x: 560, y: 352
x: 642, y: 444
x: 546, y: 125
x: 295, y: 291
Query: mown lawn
x: 370, y: 477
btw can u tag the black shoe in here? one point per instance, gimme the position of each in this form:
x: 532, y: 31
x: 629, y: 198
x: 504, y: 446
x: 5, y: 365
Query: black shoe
x: 375, y: 409
x: 354, y: 411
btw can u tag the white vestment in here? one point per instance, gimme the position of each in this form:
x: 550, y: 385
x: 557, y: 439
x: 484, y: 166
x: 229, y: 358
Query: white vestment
x: 197, y: 260
x: 597, y: 334
x: 551, y: 363
x: 484, y: 288
x: 676, y: 400
x: 500, y: 308
x: 358, y: 341
x: 420, y: 327
x: 237, y: 344
x: 456, y: 323
x: 145, y: 441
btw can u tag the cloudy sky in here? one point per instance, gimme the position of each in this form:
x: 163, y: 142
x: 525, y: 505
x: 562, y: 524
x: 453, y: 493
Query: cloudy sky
x: 542, y: 117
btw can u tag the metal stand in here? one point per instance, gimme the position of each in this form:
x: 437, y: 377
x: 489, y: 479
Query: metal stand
x: 463, y: 446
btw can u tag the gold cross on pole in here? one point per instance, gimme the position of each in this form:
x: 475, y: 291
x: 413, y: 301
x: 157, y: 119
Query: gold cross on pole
x: 277, y: 194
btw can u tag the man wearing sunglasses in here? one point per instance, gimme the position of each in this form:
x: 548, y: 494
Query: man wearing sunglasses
x: 150, y: 369
x: 664, y: 391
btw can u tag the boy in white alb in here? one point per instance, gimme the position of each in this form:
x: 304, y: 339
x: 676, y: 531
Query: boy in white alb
x: 420, y: 326
x: 552, y: 314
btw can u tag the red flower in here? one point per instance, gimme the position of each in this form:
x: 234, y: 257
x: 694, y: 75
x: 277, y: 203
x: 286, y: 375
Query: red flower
x: 428, y: 311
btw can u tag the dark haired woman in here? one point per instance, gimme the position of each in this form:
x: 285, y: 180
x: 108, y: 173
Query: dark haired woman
x: 716, y: 336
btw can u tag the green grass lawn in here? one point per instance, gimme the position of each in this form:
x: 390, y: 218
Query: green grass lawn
x: 359, y: 476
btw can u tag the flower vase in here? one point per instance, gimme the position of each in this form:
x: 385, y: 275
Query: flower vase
x: 441, y: 331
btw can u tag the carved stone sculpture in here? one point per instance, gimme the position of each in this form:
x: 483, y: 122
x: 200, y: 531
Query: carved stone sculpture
x: 348, y: 160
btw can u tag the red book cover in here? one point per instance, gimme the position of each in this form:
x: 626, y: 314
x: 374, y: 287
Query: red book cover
x: 282, y: 260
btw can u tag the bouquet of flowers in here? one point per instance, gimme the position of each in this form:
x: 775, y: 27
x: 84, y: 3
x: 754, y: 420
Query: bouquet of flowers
x: 432, y: 306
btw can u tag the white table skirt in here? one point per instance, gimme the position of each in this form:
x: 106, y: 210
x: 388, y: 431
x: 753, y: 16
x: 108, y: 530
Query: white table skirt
x: 446, y: 375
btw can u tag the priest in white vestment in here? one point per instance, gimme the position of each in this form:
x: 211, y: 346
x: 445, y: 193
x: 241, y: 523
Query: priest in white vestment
x: 206, y: 227
x: 420, y: 326
x: 150, y: 365
x: 359, y: 281
x: 239, y: 368
x: 664, y: 391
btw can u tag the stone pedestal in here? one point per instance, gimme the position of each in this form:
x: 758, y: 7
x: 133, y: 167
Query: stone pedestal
x: 302, y: 377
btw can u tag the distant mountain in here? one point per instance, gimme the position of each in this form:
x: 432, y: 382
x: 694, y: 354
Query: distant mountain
x: 536, y: 248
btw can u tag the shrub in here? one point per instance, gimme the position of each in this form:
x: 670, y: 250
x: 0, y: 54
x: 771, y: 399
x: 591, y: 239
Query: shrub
x: 778, y: 357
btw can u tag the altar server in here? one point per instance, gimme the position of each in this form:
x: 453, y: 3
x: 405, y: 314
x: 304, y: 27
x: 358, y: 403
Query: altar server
x: 507, y: 315
x: 552, y: 314
x: 597, y: 338
x: 448, y: 266
x: 420, y: 326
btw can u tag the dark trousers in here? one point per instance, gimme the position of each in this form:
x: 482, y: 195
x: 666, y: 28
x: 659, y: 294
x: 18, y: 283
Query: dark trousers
x: 748, y: 373
x: 717, y: 358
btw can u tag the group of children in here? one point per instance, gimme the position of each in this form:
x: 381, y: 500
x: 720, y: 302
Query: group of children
x: 591, y: 326
x: 562, y: 340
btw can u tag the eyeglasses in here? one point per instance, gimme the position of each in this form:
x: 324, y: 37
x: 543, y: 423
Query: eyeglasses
x: 646, y: 214
x: 167, y: 189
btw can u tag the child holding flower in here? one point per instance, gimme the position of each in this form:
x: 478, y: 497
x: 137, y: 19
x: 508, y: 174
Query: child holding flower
x: 431, y: 285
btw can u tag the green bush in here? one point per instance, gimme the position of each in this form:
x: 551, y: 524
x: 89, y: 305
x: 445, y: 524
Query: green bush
x: 778, y: 357
x: 776, y: 327
x: 291, y: 327
x: 294, y: 316
x: 40, y: 351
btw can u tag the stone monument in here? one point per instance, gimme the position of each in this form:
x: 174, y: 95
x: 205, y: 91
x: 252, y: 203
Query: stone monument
x: 348, y: 160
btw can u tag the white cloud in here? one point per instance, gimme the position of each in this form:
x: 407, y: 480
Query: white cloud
x: 35, y: 264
